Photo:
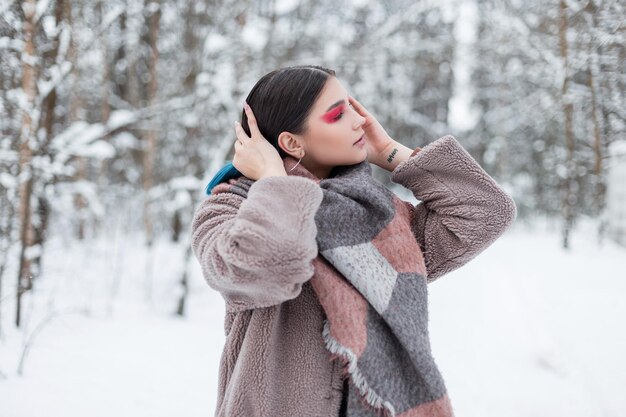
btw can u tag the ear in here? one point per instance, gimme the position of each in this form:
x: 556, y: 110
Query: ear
x: 290, y: 143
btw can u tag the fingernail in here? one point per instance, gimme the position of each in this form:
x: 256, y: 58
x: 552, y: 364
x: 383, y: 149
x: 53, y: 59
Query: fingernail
x: 245, y: 104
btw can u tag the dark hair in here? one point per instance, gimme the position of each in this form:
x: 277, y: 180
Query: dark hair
x: 282, y: 100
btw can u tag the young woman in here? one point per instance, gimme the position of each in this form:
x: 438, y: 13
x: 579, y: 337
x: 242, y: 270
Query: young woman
x: 323, y: 270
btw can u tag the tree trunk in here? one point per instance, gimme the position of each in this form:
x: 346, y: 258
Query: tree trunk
x: 61, y: 9
x: 76, y: 103
x: 27, y: 142
x: 184, y: 282
x: 149, y: 39
x: 153, y: 18
x: 105, y: 108
x: 569, y: 199
x: 596, y: 104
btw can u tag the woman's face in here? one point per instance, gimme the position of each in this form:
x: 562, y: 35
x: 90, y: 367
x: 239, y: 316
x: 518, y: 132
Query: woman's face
x: 333, y: 127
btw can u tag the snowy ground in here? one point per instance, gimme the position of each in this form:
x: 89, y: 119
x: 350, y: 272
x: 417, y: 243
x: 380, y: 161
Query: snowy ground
x: 525, y: 329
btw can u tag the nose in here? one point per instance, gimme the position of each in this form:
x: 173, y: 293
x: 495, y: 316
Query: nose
x: 359, y: 120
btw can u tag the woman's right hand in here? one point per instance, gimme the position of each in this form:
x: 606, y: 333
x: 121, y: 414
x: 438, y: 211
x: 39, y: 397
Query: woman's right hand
x: 254, y: 156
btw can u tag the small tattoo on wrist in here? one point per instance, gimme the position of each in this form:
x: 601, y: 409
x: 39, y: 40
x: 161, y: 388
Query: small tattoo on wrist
x: 392, y: 154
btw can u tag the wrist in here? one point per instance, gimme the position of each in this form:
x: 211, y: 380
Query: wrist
x: 274, y: 173
x: 394, y: 154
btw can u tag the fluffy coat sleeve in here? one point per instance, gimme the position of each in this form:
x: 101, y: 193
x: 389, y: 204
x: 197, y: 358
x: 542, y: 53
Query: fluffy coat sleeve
x: 462, y: 210
x: 258, y: 250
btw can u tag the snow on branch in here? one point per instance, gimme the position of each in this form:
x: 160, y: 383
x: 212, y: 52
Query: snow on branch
x: 392, y: 23
x: 84, y: 139
x: 15, y: 45
x: 40, y: 10
x: 65, y: 68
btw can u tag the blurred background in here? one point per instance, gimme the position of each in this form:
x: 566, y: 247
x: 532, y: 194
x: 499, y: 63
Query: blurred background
x: 114, y: 116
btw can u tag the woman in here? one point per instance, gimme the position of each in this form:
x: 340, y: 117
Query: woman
x: 323, y: 270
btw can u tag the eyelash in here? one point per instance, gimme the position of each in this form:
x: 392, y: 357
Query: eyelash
x: 340, y: 114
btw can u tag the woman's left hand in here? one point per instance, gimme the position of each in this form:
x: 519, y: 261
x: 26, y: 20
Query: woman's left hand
x: 377, y: 141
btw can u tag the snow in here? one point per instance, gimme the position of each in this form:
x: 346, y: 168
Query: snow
x: 359, y: 3
x: 540, y: 334
x: 97, y: 150
x: 331, y: 51
x: 524, y: 329
x: 616, y: 191
x: 33, y: 251
x: 190, y: 120
x: 88, y: 191
x: 254, y: 34
x: 285, y: 6
x: 12, y: 44
x: 41, y: 7
x: 120, y: 118
x: 49, y: 24
x: 215, y: 42
x: 78, y: 134
x: 617, y: 150
x: 7, y: 180
x: 125, y: 140
x: 187, y: 182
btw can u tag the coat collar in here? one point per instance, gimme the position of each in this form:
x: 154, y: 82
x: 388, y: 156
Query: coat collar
x: 360, y: 169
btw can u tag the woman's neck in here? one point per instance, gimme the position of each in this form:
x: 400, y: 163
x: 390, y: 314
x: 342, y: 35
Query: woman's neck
x: 320, y: 172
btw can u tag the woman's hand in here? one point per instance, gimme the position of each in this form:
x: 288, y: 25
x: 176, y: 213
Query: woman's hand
x: 377, y: 141
x: 254, y: 156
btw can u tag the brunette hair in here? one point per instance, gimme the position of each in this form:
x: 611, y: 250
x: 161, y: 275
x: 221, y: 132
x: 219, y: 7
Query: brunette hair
x: 282, y: 100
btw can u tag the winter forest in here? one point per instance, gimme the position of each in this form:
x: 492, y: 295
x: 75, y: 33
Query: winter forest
x: 114, y: 116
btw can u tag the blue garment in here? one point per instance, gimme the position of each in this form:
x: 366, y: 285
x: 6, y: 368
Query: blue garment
x: 227, y: 172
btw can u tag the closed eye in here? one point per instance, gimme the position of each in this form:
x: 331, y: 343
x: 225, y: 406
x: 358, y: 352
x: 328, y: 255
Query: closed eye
x: 340, y: 113
x: 335, y: 114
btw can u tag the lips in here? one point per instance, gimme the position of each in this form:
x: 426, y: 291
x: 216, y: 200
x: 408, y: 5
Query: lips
x: 358, y: 140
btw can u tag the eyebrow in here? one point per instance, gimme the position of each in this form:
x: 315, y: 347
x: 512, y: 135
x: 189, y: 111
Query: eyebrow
x: 335, y: 104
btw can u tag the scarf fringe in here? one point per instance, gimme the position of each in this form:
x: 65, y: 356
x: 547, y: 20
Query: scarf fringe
x: 372, y: 399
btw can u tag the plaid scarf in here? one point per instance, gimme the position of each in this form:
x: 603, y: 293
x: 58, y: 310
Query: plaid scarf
x: 371, y: 282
